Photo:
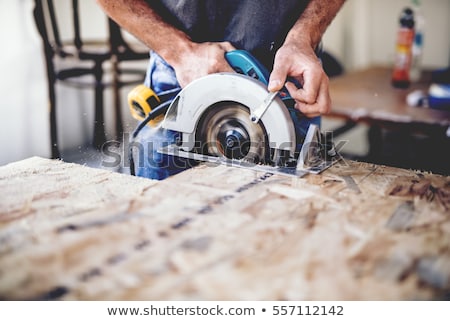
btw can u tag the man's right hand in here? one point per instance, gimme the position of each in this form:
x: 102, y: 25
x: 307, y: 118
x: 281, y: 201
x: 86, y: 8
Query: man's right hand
x: 203, y: 59
x: 189, y: 59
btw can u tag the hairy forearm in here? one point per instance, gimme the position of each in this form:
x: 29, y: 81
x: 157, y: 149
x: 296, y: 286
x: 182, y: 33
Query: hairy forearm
x: 313, y: 22
x: 138, y: 18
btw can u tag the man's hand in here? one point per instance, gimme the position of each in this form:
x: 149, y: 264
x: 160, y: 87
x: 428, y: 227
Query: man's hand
x: 204, y: 59
x: 296, y: 59
x: 302, y: 64
x: 189, y: 59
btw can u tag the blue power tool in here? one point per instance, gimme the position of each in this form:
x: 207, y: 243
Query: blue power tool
x: 245, y: 63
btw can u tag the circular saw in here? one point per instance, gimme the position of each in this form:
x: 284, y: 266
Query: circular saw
x: 232, y: 118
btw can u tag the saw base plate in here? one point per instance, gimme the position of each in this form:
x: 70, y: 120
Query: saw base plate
x: 174, y: 150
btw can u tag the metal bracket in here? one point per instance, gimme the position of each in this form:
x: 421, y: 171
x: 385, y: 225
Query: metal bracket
x: 313, y: 157
x: 257, y: 113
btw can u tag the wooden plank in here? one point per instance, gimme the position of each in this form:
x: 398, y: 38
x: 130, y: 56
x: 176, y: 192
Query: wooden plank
x: 358, y: 231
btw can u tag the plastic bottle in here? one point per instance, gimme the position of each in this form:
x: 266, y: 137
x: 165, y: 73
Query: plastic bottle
x: 417, y: 49
x: 403, y: 52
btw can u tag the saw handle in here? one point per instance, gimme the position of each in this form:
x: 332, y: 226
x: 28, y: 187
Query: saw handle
x: 245, y: 63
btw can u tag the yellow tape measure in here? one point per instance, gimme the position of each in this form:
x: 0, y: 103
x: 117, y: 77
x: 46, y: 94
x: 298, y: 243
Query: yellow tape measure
x: 140, y: 100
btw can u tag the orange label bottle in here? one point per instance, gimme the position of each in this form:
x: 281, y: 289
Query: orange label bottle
x: 403, y: 50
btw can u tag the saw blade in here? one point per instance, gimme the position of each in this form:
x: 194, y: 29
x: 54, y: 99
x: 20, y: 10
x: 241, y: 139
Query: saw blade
x: 226, y: 130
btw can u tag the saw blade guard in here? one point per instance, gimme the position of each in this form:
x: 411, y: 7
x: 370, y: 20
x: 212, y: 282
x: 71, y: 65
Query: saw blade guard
x: 190, y: 104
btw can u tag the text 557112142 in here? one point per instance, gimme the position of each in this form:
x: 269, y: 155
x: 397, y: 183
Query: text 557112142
x: 307, y: 310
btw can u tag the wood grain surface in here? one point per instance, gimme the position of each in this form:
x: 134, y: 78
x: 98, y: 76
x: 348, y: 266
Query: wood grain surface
x: 356, y: 232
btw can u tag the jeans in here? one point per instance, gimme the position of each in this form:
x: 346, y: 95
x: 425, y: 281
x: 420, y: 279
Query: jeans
x: 151, y: 164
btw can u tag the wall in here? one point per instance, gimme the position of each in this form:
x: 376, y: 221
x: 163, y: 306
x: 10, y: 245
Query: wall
x: 362, y: 34
x: 23, y: 120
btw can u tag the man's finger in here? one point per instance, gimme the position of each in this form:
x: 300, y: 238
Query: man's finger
x: 324, y: 99
x: 278, y: 76
x: 320, y: 107
x: 227, y: 46
x: 309, y: 92
x: 307, y: 110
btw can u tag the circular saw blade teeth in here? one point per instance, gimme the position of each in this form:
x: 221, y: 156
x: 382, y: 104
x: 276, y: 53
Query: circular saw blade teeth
x: 226, y: 130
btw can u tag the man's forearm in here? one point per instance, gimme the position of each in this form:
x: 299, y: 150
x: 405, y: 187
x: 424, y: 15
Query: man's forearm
x: 313, y: 22
x: 138, y: 18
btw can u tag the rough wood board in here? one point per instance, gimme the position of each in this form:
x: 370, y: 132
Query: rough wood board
x: 70, y: 232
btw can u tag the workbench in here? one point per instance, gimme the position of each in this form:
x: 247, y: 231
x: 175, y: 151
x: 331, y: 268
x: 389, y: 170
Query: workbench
x: 355, y: 232
x: 399, y: 135
x: 374, y: 101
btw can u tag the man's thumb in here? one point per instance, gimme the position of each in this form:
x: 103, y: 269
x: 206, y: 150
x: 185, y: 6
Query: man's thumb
x: 277, y: 78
